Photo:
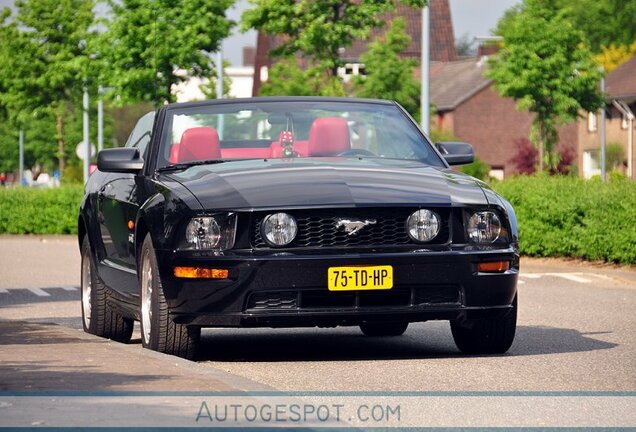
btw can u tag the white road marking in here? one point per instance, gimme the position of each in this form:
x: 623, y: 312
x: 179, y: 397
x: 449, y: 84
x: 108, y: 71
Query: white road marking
x: 39, y: 292
x: 574, y: 277
x: 520, y: 282
x: 4, y: 291
x: 570, y: 276
x: 70, y: 288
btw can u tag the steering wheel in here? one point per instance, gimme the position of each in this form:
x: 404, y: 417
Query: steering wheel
x: 356, y: 152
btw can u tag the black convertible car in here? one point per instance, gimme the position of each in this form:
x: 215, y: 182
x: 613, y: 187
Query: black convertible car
x: 293, y: 211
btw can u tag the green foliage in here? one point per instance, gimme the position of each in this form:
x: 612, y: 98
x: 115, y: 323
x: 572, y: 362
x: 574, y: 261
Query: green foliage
x: 209, y: 88
x: 478, y: 169
x: 545, y: 66
x: 40, y: 211
x: 572, y: 217
x: 315, y: 31
x: 389, y: 76
x: 287, y: 78
x: 603, y: 22
x: 318, y: 29
x: 438, y: 135
x: 147, y: 42
x: 45, y: 61
x: 614, y: 156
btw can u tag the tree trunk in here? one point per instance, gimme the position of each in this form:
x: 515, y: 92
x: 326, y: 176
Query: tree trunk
x: 59, y: 127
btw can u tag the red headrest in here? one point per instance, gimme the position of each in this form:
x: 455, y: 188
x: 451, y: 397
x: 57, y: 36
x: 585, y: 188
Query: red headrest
x: 199, y: 143
x: 328, y: 136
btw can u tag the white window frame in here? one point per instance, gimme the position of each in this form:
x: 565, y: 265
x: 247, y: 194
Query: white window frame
x: 592, y: 122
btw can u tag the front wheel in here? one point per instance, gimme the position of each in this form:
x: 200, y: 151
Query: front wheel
x: 98, y: 316
x: 158, y: 331
x: 384, y: 329
x: 486, y: 335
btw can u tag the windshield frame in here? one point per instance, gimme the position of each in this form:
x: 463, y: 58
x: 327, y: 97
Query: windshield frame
x: 169, y: 111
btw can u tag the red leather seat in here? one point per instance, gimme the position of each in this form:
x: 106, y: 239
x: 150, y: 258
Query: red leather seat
x: 245, y: 153
x: 328, y: 136
x: 199, y: 143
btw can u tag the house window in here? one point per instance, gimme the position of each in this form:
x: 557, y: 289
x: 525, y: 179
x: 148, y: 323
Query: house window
x: 350, y: 70
x: 497, y: 172
x: 592, y: 122
x: 624, y: 122
x: 591, y: 163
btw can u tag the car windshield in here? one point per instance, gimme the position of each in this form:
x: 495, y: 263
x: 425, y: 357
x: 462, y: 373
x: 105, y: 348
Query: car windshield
x: 291, y: 129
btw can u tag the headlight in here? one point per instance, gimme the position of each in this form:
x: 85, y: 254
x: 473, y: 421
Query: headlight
x: 211, y: 232
x: 483, y: 227
x: 423, y: 225
x: 279, y: 229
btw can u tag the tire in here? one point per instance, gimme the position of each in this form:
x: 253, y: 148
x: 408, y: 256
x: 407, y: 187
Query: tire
x: 382, y: 329
x: 158, y: 331
x: 486, y: 335
x: 98, y: 316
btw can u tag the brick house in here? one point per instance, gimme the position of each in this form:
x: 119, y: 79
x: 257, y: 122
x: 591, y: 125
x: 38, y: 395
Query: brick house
x: 468, y: 105
x: 621, y: 101
x: 442, y: 42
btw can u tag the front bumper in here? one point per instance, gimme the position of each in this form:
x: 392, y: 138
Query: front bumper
x: 290, y: 290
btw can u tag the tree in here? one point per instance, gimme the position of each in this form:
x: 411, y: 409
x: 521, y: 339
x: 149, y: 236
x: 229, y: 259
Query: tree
x: 209, y: 88
x: 44, y: 61
x: 613, y: 56
x: 465, y: 46
x: 388, y: 75
x: 603, y: 22
x: 288, y: 78
x: 545, y: 66
x: 317, y: 30
x: 147, y: 42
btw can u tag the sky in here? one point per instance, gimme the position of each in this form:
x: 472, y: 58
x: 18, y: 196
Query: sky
x: 472, y: 17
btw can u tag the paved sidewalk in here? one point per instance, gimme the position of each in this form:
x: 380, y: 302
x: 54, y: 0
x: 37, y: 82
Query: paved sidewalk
x: 39, y: 357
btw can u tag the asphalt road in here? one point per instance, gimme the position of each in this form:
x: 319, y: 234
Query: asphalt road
x: 576, y: 332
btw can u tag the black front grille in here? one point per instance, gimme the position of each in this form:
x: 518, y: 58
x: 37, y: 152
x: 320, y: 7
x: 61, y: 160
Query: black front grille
x: 318, y: 228
x: 323, y: 299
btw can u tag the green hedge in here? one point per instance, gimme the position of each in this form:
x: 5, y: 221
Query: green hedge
x: 558, y: 216
x: 40, y: 211
x: 572, y: 217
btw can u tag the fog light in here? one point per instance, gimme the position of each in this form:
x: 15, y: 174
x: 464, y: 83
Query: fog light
x: 200, y: 273
x: 423, y: 225
x: 279, y: 229
x: 493, y: 267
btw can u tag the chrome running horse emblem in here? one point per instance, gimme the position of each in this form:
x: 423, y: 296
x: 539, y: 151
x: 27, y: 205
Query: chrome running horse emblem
x: 351, y: 227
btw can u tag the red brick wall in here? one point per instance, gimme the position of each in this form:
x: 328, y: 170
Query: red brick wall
x: 492, y: 124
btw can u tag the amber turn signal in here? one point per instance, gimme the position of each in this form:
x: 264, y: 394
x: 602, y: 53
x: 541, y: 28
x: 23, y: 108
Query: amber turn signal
x: 200, y: 273
x: 493, y: 267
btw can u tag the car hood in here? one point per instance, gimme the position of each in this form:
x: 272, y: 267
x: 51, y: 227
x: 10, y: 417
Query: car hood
x: 326, y: 182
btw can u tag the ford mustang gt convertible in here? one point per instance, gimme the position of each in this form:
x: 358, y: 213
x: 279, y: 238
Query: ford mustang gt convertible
x: 291, y: 212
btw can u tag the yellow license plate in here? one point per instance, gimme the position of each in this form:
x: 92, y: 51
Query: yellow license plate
x: 360, y: 278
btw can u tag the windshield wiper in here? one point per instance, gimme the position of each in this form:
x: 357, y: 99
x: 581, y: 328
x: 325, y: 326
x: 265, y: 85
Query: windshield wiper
x: 185, y: 165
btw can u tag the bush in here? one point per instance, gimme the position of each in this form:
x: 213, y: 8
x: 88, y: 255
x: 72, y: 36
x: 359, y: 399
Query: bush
x: 40, y: 211
x: 572, y: 217
x: 478, y: 169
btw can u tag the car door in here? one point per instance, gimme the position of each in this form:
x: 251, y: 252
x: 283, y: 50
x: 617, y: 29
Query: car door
x: 118, y: 202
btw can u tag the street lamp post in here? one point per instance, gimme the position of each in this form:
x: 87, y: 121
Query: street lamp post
x: 602, y: 132
x: 21, y: 162
x: 425, y: 107
x: 100, y: 119
x: 86, y: 141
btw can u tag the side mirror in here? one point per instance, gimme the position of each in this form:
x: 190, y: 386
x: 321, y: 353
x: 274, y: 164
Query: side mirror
x: 120, y: 160
x: 456, y: 153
